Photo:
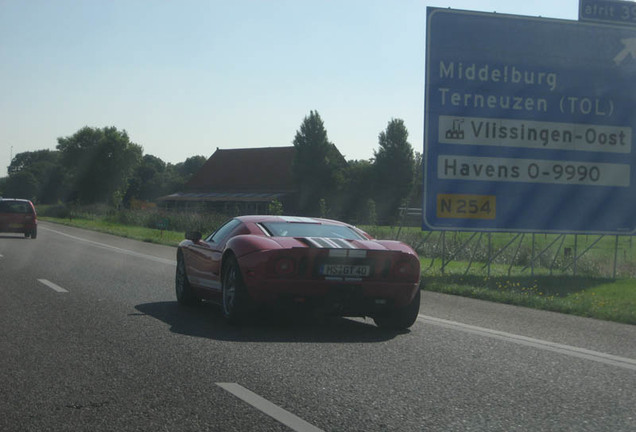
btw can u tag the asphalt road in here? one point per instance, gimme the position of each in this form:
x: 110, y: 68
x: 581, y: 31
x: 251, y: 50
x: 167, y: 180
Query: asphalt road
x: 92, y: 339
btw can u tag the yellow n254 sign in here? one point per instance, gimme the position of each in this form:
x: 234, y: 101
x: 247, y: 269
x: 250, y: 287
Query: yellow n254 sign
x: 466, y: 206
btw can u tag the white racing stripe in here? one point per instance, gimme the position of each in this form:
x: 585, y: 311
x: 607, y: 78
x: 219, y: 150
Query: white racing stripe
x: 330, y: 243
x: 608, y: 359
x: 51, y: 285
x: 116, y: 249
x: 285, y: 417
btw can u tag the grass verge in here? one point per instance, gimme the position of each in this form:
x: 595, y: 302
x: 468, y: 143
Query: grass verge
x: 592, y: 297
x: 148, y: 235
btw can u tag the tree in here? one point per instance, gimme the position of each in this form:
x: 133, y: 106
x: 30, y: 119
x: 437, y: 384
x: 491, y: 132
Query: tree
x: 147, y: 181
x: 190, y: 166
x: 45, y: 171
x: 394, y: 167
x: 27, y: 160
x: 21, y: 185
x: 324, y: 210
x: 318, y: 167
x: 275, y: 208
x: 53, y: 181
x: 418, y: 181
x: 371, y: 217
x: 359, y: 186
x: 100, y: 163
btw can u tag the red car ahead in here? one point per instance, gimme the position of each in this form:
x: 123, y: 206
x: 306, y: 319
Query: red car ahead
x: 300, y: 262
x: 18, y: 216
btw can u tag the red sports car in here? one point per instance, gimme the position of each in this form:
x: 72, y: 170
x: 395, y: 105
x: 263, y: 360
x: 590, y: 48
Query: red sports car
x: 300, y: 262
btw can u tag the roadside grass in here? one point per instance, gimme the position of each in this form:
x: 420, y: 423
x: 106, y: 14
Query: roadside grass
x: 587, y: 296
x: 553, y: 287
x: 148, y: 235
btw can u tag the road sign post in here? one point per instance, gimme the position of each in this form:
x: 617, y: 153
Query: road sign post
x: 529, y: 125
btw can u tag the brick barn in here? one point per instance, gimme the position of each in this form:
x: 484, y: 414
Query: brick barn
x: 239, y: 181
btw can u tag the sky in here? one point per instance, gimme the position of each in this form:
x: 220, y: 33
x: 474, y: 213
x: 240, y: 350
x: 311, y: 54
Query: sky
x: 184, y: 78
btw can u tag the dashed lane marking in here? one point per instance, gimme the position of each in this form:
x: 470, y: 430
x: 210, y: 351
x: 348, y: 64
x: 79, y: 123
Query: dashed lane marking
x: 51, y: 285
x: 285, y: 417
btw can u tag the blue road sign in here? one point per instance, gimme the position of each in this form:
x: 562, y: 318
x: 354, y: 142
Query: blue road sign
x: 608, y: 11
x: 529, y: 124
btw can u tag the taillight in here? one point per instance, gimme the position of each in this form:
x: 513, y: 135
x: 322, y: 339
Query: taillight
x: 284, y: 266
x: 405, y: 270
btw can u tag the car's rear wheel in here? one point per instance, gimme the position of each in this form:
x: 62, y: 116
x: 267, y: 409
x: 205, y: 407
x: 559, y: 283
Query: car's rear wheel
x: 235, y: 301
x: 34, y: 233
x: 400, y: 318
x: 185, y: 295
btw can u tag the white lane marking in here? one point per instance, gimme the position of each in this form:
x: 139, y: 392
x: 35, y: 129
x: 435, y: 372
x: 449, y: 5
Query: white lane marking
x: 265, y: 406
x: 623, y: 362
x: 116, y: 249
x: 51, y: 285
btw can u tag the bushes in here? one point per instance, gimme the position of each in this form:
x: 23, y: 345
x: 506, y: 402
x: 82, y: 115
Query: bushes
x: 147, y: 218
x: 59, y: 211
x: 172, y: 221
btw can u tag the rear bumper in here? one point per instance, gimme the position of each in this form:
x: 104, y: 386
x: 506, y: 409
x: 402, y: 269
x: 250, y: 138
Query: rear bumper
x: 18, y: 228
x: 297, y: 277
x: 342, y: 297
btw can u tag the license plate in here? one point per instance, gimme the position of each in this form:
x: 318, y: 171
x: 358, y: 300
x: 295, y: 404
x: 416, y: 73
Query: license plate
x: 345, y: 270
x: 15, y: 225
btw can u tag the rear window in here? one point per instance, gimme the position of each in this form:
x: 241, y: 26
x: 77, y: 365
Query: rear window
x: 15, y: 207
x: 292, y: 229
x: 225, y: 229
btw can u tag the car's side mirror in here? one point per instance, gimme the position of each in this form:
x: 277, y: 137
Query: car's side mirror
x: 193, y: 236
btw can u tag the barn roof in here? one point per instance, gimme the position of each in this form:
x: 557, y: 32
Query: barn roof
x: 252, y: 170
